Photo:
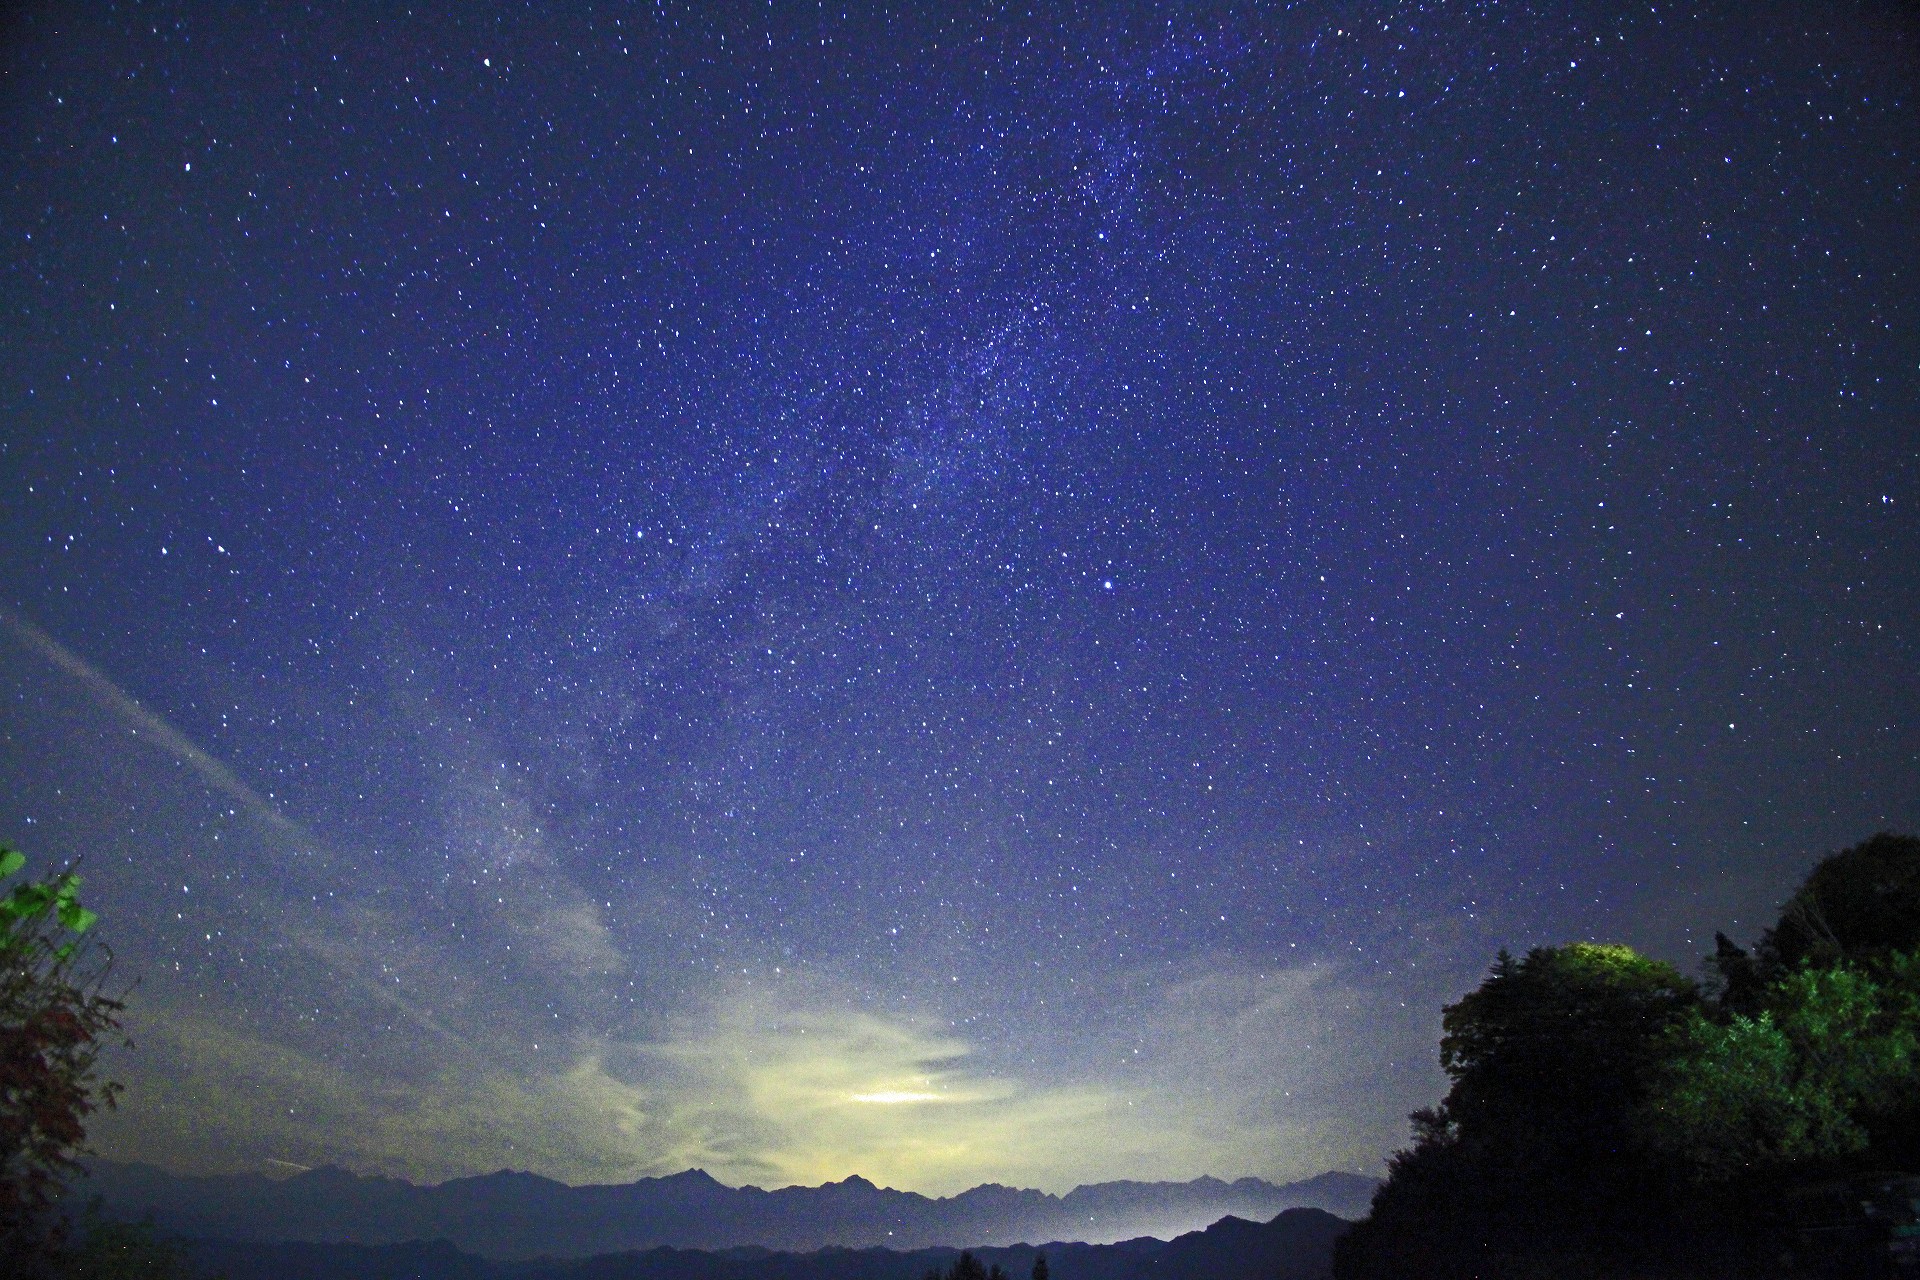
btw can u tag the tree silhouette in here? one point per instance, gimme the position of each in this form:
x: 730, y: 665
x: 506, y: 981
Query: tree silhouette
x: 1605, y: 1119
x: 1550, y: 1058
x: 53, y: 1018
x: 1554, y: 1048
x: 110, y: 1250
x: 1040, y: 1266
x: 1810, y: 1056
x: 1831, y: 1055
x: 1858, y: 904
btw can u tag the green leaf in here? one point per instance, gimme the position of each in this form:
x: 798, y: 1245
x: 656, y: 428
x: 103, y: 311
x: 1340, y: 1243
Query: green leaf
x: 75, y: 916
x: 27, y: 901
x: 11, y: 860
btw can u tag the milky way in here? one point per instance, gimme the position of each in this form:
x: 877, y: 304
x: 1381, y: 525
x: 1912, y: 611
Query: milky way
x: 947, y: 598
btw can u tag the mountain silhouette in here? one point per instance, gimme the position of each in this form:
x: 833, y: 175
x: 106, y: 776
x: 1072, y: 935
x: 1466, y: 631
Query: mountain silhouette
x: 509, y: 1215
x: 1295, y: 1245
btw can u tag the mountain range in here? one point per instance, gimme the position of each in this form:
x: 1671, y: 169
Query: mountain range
x: 510, y: 1215
x: 1295, y: 1245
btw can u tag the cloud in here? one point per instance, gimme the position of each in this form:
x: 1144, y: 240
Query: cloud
x: 781, y: 1084
x: 334, y: 1023
x: 208, y: 1093
x: 292, y: 1009
x: 772, y: 1088
x: 1281, y: 1072
x: 160, y: 734
x: 791, y: 1085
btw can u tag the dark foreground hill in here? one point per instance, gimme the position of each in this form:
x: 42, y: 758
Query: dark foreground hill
x: 1296, y: 1245
x: 519, y: 1215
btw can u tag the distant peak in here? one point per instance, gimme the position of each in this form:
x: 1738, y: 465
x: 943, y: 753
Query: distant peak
x: 327, y: 1173
x: 510, y: 1177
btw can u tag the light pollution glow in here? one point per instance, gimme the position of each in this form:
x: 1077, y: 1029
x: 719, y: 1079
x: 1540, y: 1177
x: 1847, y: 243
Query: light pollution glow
x: 768, y: 1079
x: 894, y: 1096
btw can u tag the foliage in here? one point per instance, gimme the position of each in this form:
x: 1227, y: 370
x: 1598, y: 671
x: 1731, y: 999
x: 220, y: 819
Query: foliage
x: 1739, y: 984
x: 966, y: 1267
x: 1859, y: 904
x: 109, y: 1250
x: 1800, y: 1081
x: 1560, y: 1038
x: 53, y: 1016
x: 1810, y: 1058
x: 1602, y: 1108
x: 1550, y: 1058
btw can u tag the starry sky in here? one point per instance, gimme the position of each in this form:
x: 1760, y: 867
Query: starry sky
x: 949, y: 593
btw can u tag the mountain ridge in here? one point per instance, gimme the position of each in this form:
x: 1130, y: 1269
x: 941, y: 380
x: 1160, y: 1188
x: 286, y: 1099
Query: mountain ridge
x: 512, y: 1214
x: 1296, y: 1245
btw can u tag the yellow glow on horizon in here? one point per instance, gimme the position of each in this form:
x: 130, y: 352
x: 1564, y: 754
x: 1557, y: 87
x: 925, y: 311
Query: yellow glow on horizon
x: 899, y: 1095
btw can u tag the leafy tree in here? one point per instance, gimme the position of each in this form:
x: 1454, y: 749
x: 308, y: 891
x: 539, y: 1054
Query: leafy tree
x: 1832, y: 1054
x: 1584, y: 1017
x: 1860, y: 904
x: 1810, y: 1057
x: 54, y: 1016
x: 1601, y: 1108
x: 1550, y: 1059
x: 1740, y: 985
x: 109, y: 1250
x: 1039, y: 1266
x: 966, y: 1267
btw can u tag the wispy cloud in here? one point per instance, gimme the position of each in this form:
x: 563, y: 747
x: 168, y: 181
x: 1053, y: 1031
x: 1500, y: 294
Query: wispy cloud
x: 755, y: 1090
x: 410, y: 1056
x: 161, y: 735
x: 826, y: 1089
x: 256, y: 1098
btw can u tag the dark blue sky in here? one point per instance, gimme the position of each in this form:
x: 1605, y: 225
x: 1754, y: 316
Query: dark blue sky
x: 962, y: 597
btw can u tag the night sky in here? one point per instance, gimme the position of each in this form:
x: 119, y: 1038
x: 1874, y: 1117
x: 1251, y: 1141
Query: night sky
x: 946, y: 594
